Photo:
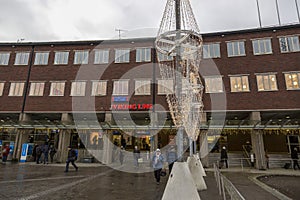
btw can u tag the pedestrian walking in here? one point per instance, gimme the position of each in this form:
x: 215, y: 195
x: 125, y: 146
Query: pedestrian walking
x: 267, y: 158
x: 294, y: 156
x: 5, y: 153
x: 72, y: 157
x: 34, y: 152
x: 38, y: 153
x: 121, y: 155
x: 52, y: 152
x: 171, y: 157
x: 157, y: 162
x: 136, y: 156
x: 224, y: 158
x: 252, y: 158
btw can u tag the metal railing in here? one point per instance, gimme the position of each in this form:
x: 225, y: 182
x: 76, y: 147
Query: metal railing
x: 224, y: 184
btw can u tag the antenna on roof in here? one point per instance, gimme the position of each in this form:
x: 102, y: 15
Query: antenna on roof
x: 20, y: 40
x: 119, y: 30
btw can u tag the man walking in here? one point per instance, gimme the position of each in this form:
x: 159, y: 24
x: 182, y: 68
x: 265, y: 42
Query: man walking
x: 224, y: 157
x: 157, y: 161
x: 5, y: 153
x: 294, y: 156
x: 72, y: 156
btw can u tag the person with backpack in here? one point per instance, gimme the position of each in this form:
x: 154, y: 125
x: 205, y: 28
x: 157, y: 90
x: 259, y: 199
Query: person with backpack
x: 38, y: 153
x: 72, y: 157
x: 52, y: 152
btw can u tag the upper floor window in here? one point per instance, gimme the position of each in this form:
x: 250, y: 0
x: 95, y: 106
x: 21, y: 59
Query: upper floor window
x: 142, y: 87
x: 22, y: 58
x: 101, y: 56
x: 143, y: 54
x: 165, y: 86
x: 122, y: 55
x: 262, y: 46
x: 99, y: 88
x: 41, y: 58
x: 16, y: 88
x: 36, y: 89
x: 292, y: 80
x: 81, y: 57
x: 211, y: 50
x: 289, y: 44
x: 266, y: 82
x: 239, y: 83
x: 4, y: 58
x: 213, y: 84
x: 236, y: 48
x: 1, y: 88
x: 120, y: 87
x: 57, y: 88
x: 78, y: 88
x: 61, y: 58
x: 163, y: 57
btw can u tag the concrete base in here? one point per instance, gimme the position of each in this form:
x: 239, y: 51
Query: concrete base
x: 196, y: 173
x: 198, y: 161
x: 180, y: 184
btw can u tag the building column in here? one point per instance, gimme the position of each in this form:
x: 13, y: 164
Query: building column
x: 64, y: 139
x: 107, y: 141
x: 203, y: 143
x: 257, y: 142
x: 21, y: 138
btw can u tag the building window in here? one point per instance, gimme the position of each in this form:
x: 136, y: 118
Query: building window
x: 1, y: 88
x: 292, y: 80
x: 22, y: 58
x: 101, y: 56
x: 289, y: 44
x: 99, y: 88
x: 239, y: 84
x: 213, y: 84
x: 122, y: 55
x: 262, y: 46
x: 36, y: 89
x: 143, y: 55
x: 16, y: 89
x: 81, y: 57
x: 266, y: 82
x: 142, y: 87
x: 163, y: 57
x: 211, y: 50
x: 41, y: 58
x: 57, y: 88
x: 120, y: 87
x: 165, y: 86
x: 4, y: 58
x: 78, y: 88
x: 61, y: 58
x: 236, y: 48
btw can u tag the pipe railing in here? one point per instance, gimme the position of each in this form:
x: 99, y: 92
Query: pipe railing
x: 225, y: 187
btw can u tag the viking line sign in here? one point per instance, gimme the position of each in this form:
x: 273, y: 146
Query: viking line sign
x: 131, y: 106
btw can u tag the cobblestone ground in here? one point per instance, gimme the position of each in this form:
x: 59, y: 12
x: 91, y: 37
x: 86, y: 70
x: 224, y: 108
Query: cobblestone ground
x: 288, y: 185
x: 45, y: 182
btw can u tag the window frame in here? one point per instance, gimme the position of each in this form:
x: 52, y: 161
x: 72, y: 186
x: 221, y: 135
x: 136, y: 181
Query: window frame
x: 212, y: 49
x: 269, y: 83
x: 61, y: 56
x: 81, y: 57
x: 143, y: 54
x: 123, y: 56
x: 2, y: 86
x: 292, y: 81
x: 78, y: 91
x: 262, y: 41
x: 239, y: 53
x: 52, y: 94
x: 4, y: 58
x: 32, y: 91
x: 124, y: 87
x: 12, y: 90
x: 144, y: 85
x: 163, y: 88
x: 241, y: 80
x: 94, y: 90
x: 22, y: 56
x: 289, y: 50
x: 43, y: 60
x: 102, y: 58
x: 211, y: 79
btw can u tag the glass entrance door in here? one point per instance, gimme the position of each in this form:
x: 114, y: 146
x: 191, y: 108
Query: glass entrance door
x: 293, y: 141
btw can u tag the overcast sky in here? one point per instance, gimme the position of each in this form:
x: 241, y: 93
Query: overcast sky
x: 54, y: 20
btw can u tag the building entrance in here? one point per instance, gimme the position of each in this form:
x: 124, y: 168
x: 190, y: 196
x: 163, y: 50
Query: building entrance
x: 292, y: 142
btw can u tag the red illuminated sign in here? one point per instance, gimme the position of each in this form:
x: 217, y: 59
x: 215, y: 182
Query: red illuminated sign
x: 131, y: 106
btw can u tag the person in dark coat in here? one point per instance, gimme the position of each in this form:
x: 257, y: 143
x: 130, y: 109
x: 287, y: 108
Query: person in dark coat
x: 72, y: 156
x: 136, y: 156
x: 224, y: 158
x: 171, y: 157
x: 294, y: 156
x: 5, y: 153
x: 38, y: 153
x: 45, y: 152
x: 52, y: 152
x: 121, y: 155
x: 34, y: 152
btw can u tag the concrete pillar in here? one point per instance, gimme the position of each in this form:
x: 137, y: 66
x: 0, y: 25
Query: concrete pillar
x: 66, y: 117
x: 22, y: 137
x: 258, y: 143
x: 203, y: 154
x: 107, y: 147
x: 64, y: 142
x: 108, y: 117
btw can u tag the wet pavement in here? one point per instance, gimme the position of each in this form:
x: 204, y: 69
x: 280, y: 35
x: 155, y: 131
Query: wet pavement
x: 95, y: 181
